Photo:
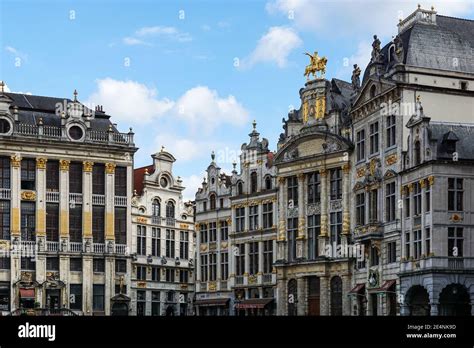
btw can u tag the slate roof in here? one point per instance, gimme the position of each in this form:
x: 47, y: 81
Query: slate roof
x: 464, y: 133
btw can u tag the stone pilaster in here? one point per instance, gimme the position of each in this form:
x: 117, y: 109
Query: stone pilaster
x: 109, y: 201
x: 109, y: 283
x: 346, y: 213
x: 301, y: 305
x: 64, y: 199
x: 301, y: 218
x: 15, y: 201
x: 41, y: 198
x: 324, y: 235
x: 87, y: 282
x: 87, y: 199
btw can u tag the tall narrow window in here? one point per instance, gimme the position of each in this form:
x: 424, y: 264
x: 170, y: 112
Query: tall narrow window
x: 224, y: 266
x: 407, y: 205
x: 28, y: 174
x: 212, y: 267
x: 455, y: 194
x: 98, y: 224
x: 268, y: 183
x: 28, y: 221
x: 253, y: 217
x: 75, y: 177
x: 203, y: 233
x: 391, y: 131
x: 360, y: 209
x: 267, y: 256
x: 427, y: 241
x: 204, y: 268
x: 390, y: 202
x: 407, y: 245
x: 253, y: 182
x: 373, y: 205
x: 417, y: 244
x: 52, y: 176
x: 141, y: 240
x: 75, y: 223
x: 267, y: 211
x: 253, y: 258
x: 170, y: 244
x: 240, y: 188
x: 5, y: 220
x: 98, y: 298
x: 292, y: 183
x: 212, y: 201
x: 121, y: 181
x: 156, y: 211
x: 98, y: 179
x: 212, y: 231
x: 292, y: 234
x: 314, y: 188
x: 374, y: 256
x: 417, y: 153
x: 240, y: 259
x: 455, y: 241
x: 5, y: 172
x: 314, y: 229
x: 224, y: 226
x: 336, y: 227
x: 155, y: 242
x: 184, y: 245
x: 417, y: 198
x: 428, y: 198
x: 170, y: 210
x: 360, y: 145
x: 120, y: 225
x: 336, y: 183
x: 240, y: 219
x: 52, y: 222
x: 374, y: 137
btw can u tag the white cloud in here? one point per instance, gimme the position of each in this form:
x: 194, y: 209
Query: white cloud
x: 133, y: 41
x: 205, y: 27
x: 191, y: 184
x: 15, y: 52
x: 274, y: 46
x: 361, y: 57
x: 171, y: 33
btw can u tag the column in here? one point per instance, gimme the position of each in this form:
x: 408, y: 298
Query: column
x: 109, y: 282
x: 64, y: 200
x: 346, y: 287
x: 41, y: 226
x: 301, y: 218
x: 109, y: 201
x: 281, y: 252
x: 423, y: 222
x: 197, y: 267
x: 301, y: 305
x: 260, y: 263
x: 247, y: 263
x: 324, y: 295
x: 324, y: 235
x: 87, y: 284
x: 87, y: 200
x: 15, y: 235
x: 346, y: 212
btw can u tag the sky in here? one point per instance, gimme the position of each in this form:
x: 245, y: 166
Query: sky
x: 191, y: 75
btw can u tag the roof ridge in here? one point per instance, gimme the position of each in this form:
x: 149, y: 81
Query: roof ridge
x: 461, y: 19
x: 447, y: 123
x: 36, y: 95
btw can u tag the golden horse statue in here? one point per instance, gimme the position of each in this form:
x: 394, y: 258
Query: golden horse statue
x: 316, y: 64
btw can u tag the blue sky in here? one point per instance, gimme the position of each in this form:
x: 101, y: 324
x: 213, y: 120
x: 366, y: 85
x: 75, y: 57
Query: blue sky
x: 191, y: 75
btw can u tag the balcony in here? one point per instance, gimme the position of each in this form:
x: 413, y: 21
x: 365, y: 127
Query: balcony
x: 75, y: 247
x: 98, y: 199
x: 5, y: 193
x: 52, y: 246
x: 121, y: 249
x: 98, y: 248
x: 156, y: 220
x: 435, y: 263
x: 28, y: 245
x: 223, y: 284
x: 239, y: 280
x: 267, y: 278
x: 170, y: 221
x: 120, y: 201
x: 75, y: 198
x: 52, y: 197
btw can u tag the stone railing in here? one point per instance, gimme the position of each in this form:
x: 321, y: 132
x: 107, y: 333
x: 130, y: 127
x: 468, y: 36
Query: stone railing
x: 52, y: 197
x: 120, y: 201
x: 5, y: 193
x: 98, y: 199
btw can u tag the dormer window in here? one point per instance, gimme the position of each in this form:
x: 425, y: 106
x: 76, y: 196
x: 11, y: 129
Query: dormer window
x: 253, y: 182
x: 240, y: 188
x: 268, y: 183
x: 5, y: 126
x: 76, y: 133
x: 417, y: 153
x: 212, y: 200
x: 450, y: 146
x: 449, y: 142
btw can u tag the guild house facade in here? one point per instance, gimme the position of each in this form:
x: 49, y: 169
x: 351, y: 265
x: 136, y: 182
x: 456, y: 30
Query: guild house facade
x: 163, y: 241
x: 65, y: 192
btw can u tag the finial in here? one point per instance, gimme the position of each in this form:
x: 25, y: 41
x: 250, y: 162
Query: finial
x: 162, y: 148
x: 2, y: 85
x: 234, y: 164
x: 40, y: 121
x: 432, y: 8
x: 75, y: 95
x: 135, y: 193
x: 146, y: 171
x: 213, y: 156
x: 419, y: 6
x: 110, y: 128
x: 418, y: 98
x: 254, y: 124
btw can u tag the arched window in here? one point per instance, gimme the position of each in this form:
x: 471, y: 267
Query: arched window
x: 170, y: 209
x: 156, y: 208
x: 240, y: 188
x: 212, y: 199
x: 253, y: 182
x: 417, y: 154
x: 268, y: 183
x: 373, y: 89
x: 336, y: 296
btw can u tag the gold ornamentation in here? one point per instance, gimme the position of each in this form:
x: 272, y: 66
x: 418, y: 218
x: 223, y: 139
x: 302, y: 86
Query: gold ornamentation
x: 320, y: 107
x: 305, y: 112
x: 456, y: 218
x: 410, y: 187
x: 4, y: 245
x: 110, y: 168
x: 142, y: 220
x: 431, y: 180
x: 301, y: 176
x: 252, y: 279
x: 346, y: 223
x: 141, y: 285
x: 15, y: 161
x: 203, y: 247
x: 422, y: 183
x: 26, y: 277
x: 224, y: 245
x: 28, y: 195
x: 373, y: 166
x: 346, y: 168
x: 64, y: 165
x: 361, y: 172
x: 316, y: 64
x: 281, y: 180
x: 392, y: 159
x: 281, y: 231
x: 323, y: 172
x: 87, y: 166
x: 324, y: 226
x: 41, y: 163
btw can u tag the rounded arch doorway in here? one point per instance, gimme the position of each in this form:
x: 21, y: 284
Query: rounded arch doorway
x: 418, y: 301
x: 454, y: 300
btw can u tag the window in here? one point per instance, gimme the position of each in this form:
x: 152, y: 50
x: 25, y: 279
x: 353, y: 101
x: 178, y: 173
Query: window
x: 141, y: 240
x: 417, y: 198
x: 204, y: 273
x: 98, y: 179
x: 417, y: 244
x: 28, y: 221
x: 183, y: 245
x: 391, y: 131
x: 253, y: 182
x: 28, y: 264
x: 268, y: 183
x: 360, y: 145
x: 75, y: 223
x: 417, y: 153
x: 120, y: 225
x: 75, y: 177
x: 5, y: 263
x: 374, y: 256
x: 170, y: 210
x: 98, y: 223
x: 292, y: 234
x: 5, y: 220
x: 183, y: 276
x: 98, y: 298
x: 373, y: 205
x: 28, y: 174
x: 360, y: 209
x: 240, y: 188
x: 98, y: 265
x: 267, y: 256
x: 267, y: 215
x: 455, y: 241
x: 203, y: 233
x: 170, y: 275
x: 336, y: 227
x: 120, y: 266
x: 121, y: 181
x: 428, y: 198
x: 455, y: 194
x: 52, y: 263
x: 156, y: 209
x: 212, y: 266
x: 52, y: 176
x: 170, y: 243
x: 240, y: 219
x: 155, y: 274
x: 75, y: 297
x: 212, y: 200
x: 407, y: 245
x: 5, y: 126
x: 141, y: 273
x: 212, y: 231
x: 314, y: 188
x: 141, y: 302
x: 292, y: 183
x: 76, y: 132
x: 155, y: 303
x: 224, y: 266
x: 75, y: 264
x: 204, y: 206
x: 407, y: 204
x: 155, y: 241
x: 314, y: 229
x: 253, y: 258
x: 240, y: 259
x: 224, y: 226
x: 52, y: 222
x: 427, y: 241
x: 390, y: 202
x: 5, y: 172
x: 391, y: 252
x: 372, y: 91
x: 374, y: 137
x: 253, y: 217
x: 336, y: 183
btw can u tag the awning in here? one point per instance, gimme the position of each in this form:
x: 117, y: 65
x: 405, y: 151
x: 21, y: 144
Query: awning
x: 385, y: 287
x: 212, y: 302
x: 27, y: 293
x: 253, y: 303
x: 358, y: 289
